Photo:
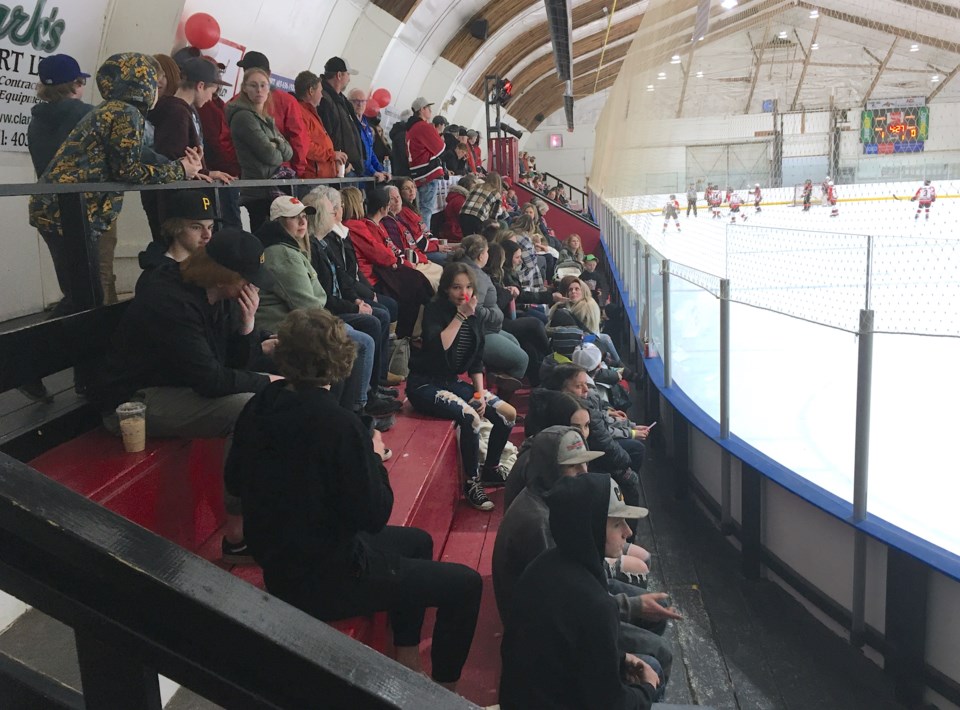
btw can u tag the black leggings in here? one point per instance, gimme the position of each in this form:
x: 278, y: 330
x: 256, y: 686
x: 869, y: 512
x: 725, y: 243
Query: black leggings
x: 402, y: 579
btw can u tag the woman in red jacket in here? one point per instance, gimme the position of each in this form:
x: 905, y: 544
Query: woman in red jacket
x: 380, y: 260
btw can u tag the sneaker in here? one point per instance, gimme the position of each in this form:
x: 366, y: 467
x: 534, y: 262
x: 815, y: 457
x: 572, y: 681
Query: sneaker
x: 383, y: 424
x: 235, y: 553
x: 386, y: 455
x: 36, y: 391
x: 476, y: 497
x: 388, y: 392
x: 381, y: 406
x: 493, y: 476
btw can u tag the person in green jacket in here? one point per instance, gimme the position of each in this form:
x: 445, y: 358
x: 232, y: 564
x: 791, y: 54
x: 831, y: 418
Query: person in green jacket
x: 261, y: 148
x: 294, y: 284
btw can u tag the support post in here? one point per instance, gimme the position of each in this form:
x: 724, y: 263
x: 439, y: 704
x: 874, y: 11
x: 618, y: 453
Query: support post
x: 665, y: 355
x: 861, y: 464
x: 726, y: 517
x: 82, y: 251
x: 647, y: 293
x: 111, y: 678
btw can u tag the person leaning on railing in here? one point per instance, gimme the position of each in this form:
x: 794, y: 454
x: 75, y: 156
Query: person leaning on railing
x: 316, y: 500
x: 105, y: 147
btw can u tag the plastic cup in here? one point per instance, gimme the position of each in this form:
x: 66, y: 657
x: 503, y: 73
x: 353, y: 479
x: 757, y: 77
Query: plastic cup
x: 341, y: 169
x: 133, y: 425
x: 443, y: 242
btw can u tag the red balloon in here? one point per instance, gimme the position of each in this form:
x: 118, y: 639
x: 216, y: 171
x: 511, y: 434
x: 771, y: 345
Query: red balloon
x: 202, y: 31
x: 371, y: 109
x: 382, y: 97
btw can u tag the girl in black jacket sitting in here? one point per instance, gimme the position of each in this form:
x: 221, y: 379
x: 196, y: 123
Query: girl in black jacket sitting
x: 316, y: 500
x: 453, y: 345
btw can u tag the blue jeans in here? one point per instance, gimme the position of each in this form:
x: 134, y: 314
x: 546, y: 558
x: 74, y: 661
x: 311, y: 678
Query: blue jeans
x: 438, y: 257
x: 427, y: 199
x: 502, y: 354
x: 355, y: 387
x: 449, y: 399
x: 379, y: 333
x: 387, y: 303
x: 230, y: 206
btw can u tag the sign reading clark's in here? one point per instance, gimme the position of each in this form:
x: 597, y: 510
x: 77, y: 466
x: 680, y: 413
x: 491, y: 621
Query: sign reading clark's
x: 28, y: 33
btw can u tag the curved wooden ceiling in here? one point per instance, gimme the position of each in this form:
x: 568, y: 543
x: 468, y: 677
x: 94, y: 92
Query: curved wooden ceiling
x: 547, y: 96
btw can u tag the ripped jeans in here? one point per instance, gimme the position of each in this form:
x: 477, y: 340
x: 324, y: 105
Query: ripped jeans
x: 449, y: 399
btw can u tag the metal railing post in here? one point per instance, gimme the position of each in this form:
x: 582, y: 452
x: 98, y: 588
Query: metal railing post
x: 667, y: 359
x: 647, y: 293
x: 861, y: 466
x: 726, y: 517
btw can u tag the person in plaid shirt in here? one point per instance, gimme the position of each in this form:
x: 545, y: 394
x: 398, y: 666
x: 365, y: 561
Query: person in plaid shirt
x: 530, y: 276
x: 482, y: 203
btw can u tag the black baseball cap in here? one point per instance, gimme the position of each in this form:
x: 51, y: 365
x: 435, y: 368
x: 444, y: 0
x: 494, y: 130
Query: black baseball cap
x: 240, y: 252
x: 189, y: 204
x: 254, y: 59
x: 199, y: 69
x: 338, y: 64
x: 440, y: 121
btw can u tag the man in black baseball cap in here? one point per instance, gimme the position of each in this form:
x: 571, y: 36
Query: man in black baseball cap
x: 188, y: 219
x: 338, y: 115
x: 241, y: 252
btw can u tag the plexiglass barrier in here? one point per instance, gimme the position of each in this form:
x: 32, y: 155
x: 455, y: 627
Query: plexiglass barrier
x: 797, y: 288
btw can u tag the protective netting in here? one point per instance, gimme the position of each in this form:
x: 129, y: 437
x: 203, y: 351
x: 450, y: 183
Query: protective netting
x: 775, y: 93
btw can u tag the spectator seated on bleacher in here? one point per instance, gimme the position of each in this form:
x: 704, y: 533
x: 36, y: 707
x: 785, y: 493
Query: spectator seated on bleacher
x: 595, y: 279
x: 188, y: 221
x: 531, y: 278
x: 572, y: 249
x: 294, y: 284
x: 425, y: 250
x: 482, y: 204
x: 582, y: 311
x: 502, y: 353
x: 607, y: 385
x: 561, y: 646
x: 530, y: 303
x: 453, y: 344
x: 316, y: 499
x: 182, y: 346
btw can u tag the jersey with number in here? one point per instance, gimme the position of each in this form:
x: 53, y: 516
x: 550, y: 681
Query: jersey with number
x: 926, y: 194
x: 715, y: 198
x: 670, y: 209
x: 735, y: 201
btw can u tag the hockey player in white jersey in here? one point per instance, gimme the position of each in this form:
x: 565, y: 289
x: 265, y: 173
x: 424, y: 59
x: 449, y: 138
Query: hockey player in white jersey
x: 735, y: 201
x: 757, y: 197
x: 926, y: 195
x: 670, y: 209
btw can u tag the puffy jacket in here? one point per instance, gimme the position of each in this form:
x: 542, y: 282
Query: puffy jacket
x: 353, y: 283
x: 261, y: 148
x: 371, y: 163
x: 105, y: 146
x: 320, y: 162
x: 451, y: 223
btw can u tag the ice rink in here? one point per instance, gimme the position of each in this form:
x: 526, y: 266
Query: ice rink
x: 798, y: 282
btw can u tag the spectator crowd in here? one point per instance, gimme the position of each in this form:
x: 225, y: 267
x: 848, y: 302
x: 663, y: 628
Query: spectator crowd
x: 287, y: 332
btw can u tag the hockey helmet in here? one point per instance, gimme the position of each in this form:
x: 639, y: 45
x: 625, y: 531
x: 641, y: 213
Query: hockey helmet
x: 926, y: 182
x: 673, y: 197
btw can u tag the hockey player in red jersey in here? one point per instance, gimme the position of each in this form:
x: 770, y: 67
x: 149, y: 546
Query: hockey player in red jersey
x: 757, y: 197
x: 925, y: 195
x: 735, y: 201
x: 670, y: 212
x: 714, y: 199
x: 830, y: 197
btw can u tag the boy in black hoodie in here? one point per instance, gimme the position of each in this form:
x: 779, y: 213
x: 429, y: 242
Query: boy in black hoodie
x: 560, y: 647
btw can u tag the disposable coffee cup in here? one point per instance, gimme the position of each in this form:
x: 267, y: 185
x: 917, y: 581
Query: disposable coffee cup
x: 341, y: 169
x: 410, y: 254
x: 443, y: 242
x: 133, y: 425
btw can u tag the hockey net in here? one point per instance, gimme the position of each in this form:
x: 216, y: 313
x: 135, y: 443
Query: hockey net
x: 816, y: 197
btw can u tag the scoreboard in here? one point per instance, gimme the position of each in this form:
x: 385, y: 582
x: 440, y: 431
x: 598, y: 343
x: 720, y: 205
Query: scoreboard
x: 899, y: 129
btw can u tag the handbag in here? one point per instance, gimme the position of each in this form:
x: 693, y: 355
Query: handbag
x: 400, y: 358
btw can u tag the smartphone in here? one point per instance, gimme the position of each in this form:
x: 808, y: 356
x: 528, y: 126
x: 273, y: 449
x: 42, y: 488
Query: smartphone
x: 651, y: 426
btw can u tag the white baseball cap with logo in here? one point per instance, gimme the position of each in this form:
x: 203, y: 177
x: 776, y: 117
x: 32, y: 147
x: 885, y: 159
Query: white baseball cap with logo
x: 617, y: 508
x: 572, y: 450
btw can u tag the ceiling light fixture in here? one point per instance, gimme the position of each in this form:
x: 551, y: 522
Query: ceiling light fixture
x: 699, y: 74
x: 782, y: 35
x: 814, y: 14
x: 649, y: 87
x: 662, y: 76
x: 914, y: 47
x: 728, y: 4
x: 675, y: 59
x: 935, y: 78
x: 814, y: 46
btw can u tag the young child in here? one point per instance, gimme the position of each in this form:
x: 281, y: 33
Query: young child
x: 715, y: 199
x: 807, y: 194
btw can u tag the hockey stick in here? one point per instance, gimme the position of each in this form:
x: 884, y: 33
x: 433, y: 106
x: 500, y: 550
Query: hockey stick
x: 897, y: 198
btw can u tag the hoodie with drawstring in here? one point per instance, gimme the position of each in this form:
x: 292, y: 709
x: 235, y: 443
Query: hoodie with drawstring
x: 560, y: 639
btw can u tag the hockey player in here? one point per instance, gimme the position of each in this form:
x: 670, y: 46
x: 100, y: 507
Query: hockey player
x: 691, y: 199
x: 734, y: 200
x: 756, y: 197
x: 715, y: 200
x: 670, y: 212
x: 830, y: 197
x: 925, y: 195
x: 807, y: 194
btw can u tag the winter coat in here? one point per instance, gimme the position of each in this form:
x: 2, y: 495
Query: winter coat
x: 451, y: 231
x: 320, y: 160
x: 105, y: 146
x: 218, y: 148
x: 339, y: 299
x: 310, y: 483
x: 294, y: 282
x: 261, y: 148
x: 371, y: 247
x: 340, y: 120
x: 352, y: 281
x: 399, y: 160
x: 424, y: 148
x: 560, y: 633
x: 171, y: 336
x: 371, y: 163
x: 50, y: 124
x: 285, y: 110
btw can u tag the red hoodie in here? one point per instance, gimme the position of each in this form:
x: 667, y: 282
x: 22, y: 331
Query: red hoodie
x: 373, y: 247
x: 218, y: 150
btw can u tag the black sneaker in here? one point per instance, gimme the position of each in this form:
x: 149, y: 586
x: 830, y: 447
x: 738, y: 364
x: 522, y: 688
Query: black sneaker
x: 476, y: 497
x: 493, y: 476
x: 36, y: 391
x: 383, y: 424
x: 235, y: 553
x: 388, y: 392
x: 381, y: 406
